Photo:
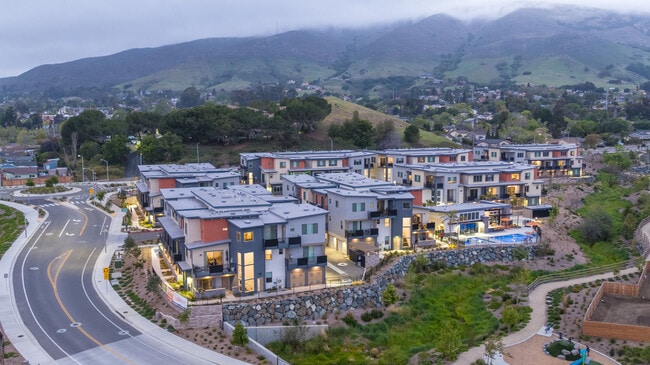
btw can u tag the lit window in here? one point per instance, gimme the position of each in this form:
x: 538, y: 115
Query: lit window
x: 238, y: 236
x: 248, y: 236
x: 268, y: 254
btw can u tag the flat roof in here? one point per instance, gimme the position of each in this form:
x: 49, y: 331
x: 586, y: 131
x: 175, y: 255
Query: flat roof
x: 172, y: 229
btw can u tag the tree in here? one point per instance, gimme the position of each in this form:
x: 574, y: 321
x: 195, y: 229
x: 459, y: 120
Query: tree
x: 30, y: 182
x: 51, y: 181
x: 450, y: 217
x: 153, y: 284
x: 493, y: 347
x: 239, y: 335
x: 596, y: 226
x: 450, y: 344
x: 184, y: 317
x: 116, y: 151
x: 389, y: 295
x: 510, y: 317
x: 412, y: 134
x: 190, y: 97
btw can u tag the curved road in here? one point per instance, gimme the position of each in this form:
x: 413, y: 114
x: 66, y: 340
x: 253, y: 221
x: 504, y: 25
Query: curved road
x: 52, y: 280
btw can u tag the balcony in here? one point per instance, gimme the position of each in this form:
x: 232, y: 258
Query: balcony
x: 272, y: 243
x: 306, y: 262
x: 295, y: 241
x: 387, y: 213
x: 213, y: 270
x: 362, y: 233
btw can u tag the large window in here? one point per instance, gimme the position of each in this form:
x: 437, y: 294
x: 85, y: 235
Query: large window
x: 478, y: 178
x: 248, y: 236
x: 213, y: 258
x: 358, y: 207
x: 310, y: 228
x: 320, y: 163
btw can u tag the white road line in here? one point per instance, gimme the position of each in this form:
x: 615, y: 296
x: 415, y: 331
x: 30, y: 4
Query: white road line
x: 63, y: 230
x: 331, y: 266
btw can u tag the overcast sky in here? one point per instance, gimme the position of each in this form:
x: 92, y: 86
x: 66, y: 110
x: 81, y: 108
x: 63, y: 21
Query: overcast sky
x: 36, y: 32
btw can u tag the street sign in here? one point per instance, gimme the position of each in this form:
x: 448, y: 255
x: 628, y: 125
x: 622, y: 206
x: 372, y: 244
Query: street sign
x: 91, y: 191
x: 106, y: 273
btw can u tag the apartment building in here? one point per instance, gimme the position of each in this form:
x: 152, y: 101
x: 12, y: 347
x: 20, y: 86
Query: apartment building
x: 415, y: 156
x: 551, y: 160
x: 456, y: 183
x: 153, y: 178
x: 236, y: 240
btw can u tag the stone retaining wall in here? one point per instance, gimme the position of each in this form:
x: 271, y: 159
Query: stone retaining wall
x: 315, y: 305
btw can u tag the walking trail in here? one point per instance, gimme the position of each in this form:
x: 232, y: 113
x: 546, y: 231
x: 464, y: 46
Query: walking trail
x: 537, y: 301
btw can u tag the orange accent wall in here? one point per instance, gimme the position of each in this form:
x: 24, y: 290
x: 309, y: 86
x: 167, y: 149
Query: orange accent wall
x: 301, y: 164
x: 168, y: 183
x: 346, y: 162
x: 266, y: 162
x: 505, y: 177
x: 213, y: 230
x: 444, y: 159
x: 417, y: 197
x: 470, y: 156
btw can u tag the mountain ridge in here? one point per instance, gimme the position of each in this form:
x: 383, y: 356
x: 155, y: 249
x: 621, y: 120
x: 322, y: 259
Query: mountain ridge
x: 583, y: 41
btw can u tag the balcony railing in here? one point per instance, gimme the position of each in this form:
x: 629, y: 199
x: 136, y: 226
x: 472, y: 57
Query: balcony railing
x: 305, y: 262
x: 386, y: 213
x: 282, y: 243
x: 362, y: 233
x: 213, y: 270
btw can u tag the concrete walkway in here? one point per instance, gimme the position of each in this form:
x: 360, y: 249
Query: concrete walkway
x: 538, y: 317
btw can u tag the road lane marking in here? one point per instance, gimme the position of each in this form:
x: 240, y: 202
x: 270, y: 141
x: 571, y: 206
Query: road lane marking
x: 63, y: 229
x: 29, y: 303
x: 53, y: 282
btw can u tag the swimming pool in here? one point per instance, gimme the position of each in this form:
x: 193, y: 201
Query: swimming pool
x: 509, y: 238
x: 513, y: 238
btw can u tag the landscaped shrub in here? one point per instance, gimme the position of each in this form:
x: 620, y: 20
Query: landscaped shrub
x: 350, y: 320
x: 366, y: 317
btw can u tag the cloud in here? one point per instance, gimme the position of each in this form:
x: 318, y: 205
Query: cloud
x: 39, y: 32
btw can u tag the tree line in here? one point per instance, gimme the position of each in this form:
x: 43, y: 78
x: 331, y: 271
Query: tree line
x: 161, y: 137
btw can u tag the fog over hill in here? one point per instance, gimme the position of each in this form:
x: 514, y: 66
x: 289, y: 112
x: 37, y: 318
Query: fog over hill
x: 528, y: 45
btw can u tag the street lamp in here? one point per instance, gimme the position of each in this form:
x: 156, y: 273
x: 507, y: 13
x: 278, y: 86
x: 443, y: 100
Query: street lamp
x: 83, y: 177
x: 93, y: 171
x: 106, y: 162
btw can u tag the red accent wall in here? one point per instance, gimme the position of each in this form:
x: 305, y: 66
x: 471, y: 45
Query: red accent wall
x: 266, y: 163
x: 444, y: 159
x: 168, y: 183
x: 346, y: 162
x: 417, y: 197
x: 504, y: 177
x: 213, y: 230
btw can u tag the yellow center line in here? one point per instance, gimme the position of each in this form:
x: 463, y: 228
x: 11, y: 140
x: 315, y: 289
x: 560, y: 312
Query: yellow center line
x: 83, y: 228
x: 53, y: 280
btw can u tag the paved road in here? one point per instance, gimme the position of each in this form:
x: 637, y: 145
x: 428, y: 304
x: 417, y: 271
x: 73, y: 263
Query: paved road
x: 58, y: 303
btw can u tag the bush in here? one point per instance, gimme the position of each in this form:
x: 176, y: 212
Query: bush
x: 350, y: 320
x: 376, y: 313
x: 366, y: 317
x: 389, y: 295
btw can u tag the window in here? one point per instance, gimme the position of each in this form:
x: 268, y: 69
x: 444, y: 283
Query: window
x: 420, y: 159
x: 320, y: 163
x: 216, y: 185
x: 238, y: 236
x: 431, y: 159
x: 489, y: 177
x: 478, y: 178
x: 268, y: 255
x: 417, y: 178
x: 545, y: 154
x: 358, y: 207
x: 386, y: 222
x: 399, y: 160
x: 563, y: 153
x: 527, y: 176
x: 283, y: 164
x: 451, y: 180
x: 248, y: 236
x: 333, y: 162
x: 520, y: 154
x: 295, y: 164
x: 213, y: 258
x: 493, y: 154
x: 538, y: 154
x: 310, y: 228
x: 357, y: 162
x: 462, y: 158
x: 406, y: 205
x: 453, y: 158
x: 514, y: 176
x: 336, y: 203
x: 268, y: 276
x: 400, y: 174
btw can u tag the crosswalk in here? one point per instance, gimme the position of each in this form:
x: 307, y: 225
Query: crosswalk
x: 75, y: 202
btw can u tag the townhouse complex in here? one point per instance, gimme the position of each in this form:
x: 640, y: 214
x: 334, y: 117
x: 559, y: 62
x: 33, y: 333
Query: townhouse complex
x: 266, y: 224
